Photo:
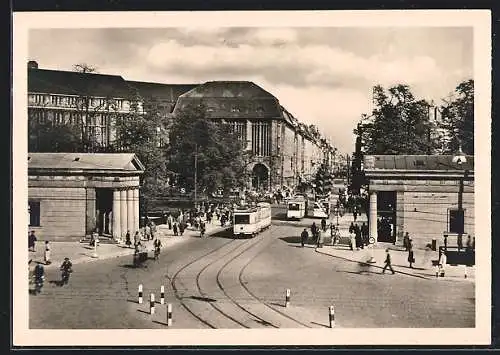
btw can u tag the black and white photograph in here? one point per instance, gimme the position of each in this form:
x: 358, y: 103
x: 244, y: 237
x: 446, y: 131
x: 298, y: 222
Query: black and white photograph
x: 252, y: 178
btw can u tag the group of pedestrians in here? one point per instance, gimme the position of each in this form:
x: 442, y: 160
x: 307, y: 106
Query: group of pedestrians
x: 358, y: 236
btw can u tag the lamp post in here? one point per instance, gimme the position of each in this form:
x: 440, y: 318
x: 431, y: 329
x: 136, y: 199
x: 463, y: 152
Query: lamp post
x: 460, y: 159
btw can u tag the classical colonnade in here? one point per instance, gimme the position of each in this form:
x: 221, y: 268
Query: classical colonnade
x: 125, y: 212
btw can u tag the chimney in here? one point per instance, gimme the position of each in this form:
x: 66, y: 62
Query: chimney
x: 32, y: 64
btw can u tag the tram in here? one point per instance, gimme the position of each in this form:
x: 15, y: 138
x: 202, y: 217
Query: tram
x: 319, y: 209
x: 251, y: 220
x: 296, y: 208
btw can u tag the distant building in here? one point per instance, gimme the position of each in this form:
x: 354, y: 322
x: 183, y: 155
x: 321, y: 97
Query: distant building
x: 71, y: 195
x: 421, y: 195
x: 284, y: 151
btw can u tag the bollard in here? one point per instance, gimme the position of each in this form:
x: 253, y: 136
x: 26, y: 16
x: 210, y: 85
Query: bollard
x: 169, y: 315
x: 331, y: 316
x: 287, y: 297
x: 140, y: 294
x: 436, y: 269
x: 162, y: 294
x: 152, y: 303
x: 465, y: 271
x: 94, y: 254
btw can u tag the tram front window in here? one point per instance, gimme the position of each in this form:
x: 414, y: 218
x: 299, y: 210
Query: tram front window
x: 293, y: 206
x: 241, y: 219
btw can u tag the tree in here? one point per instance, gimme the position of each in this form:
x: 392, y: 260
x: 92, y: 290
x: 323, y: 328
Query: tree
x: 46, y: 136
x: 138, y: 133
x: 457, y: 119
x: 399, y: 123
x: 221, y: 159
x: 323, y: 180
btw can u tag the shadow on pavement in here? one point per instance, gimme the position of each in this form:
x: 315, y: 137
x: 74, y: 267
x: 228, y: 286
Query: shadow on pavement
x: 161, y: 323
x: 56, y: 282
x: 227, y: 234
x: 320, y: 324
x: 276, y: 304
x: 142, y: 311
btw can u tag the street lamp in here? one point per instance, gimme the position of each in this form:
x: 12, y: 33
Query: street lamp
x: 459, y: 159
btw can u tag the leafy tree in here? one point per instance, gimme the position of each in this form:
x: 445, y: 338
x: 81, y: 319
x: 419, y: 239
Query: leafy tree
x: 323, y: 180
x: 457, y: 118
x: 48, y: 137
x: 221, y: 159
x: 139, y: 133
x: 399, y: 123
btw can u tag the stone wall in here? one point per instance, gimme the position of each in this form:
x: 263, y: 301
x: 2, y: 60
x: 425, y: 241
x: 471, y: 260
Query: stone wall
x: 62, y: 212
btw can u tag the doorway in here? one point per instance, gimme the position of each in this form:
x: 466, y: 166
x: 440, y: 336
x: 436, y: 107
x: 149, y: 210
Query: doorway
x: 260, y: 177
x: 104, y: 206
x: 386, y: 216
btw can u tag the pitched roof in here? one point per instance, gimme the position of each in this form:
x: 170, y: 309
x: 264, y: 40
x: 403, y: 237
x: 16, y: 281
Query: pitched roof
x: 416, y: 162
x: 85, y: 161
x: 76, y: 83
x: 167, y: 92
x: 232, y: 100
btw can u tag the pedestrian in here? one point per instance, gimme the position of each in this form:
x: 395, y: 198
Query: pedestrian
x: 181, y: 228
x: 202, y: 229
x: 127, y: 239
x: 351, y: 227
x: 319, y: 240
x: 442, y: 263
x: 387, y: 262
x: 157, y: 248
x: 303, y: 237
x: 147, y: 230
x: 406, y: 241
x: 352, y: 240
x: 355, y: 213
x: 169, y: 221
x: 359, y: 241
x: 460, y: 243
x: 137, y: 237
x: 411, y: 256
x: 31, y: 241
x: 46, y: 255
x: 364, y: 234
x: 174, y: 227
x: 314, y: 229
x: 323, y: 224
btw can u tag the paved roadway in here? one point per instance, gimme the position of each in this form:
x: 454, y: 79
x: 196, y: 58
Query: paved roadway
x: 219, y: 282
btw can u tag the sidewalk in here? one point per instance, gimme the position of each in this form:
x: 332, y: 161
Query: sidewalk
x: 422, y: 268
x: 83, y: 252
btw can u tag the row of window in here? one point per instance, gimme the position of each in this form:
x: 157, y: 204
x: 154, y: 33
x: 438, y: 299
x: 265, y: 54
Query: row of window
x: 74, y: 101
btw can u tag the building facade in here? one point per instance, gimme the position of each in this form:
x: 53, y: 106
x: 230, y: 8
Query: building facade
x: 71, y: 195
x: 427, y: 196
x: 284, y: 151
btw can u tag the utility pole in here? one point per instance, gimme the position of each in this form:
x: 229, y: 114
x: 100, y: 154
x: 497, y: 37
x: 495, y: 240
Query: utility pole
x: 348, y: 169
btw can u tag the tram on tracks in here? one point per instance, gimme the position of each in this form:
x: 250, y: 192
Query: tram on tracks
x: 248, y: 221
x: 296, y: 207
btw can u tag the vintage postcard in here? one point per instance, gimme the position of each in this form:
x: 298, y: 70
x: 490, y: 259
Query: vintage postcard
x: 252, y: 178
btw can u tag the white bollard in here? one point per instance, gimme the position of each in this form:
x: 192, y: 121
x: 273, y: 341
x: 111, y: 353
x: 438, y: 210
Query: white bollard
x: 169, y: 315
x: 162, y: 294
x: 465, y: 271
x: 436, y: 269
x: 287, y: 297
x: 331, y: 316
x: 94, y: 255
x: 140, y: 294
x: 152, y: 303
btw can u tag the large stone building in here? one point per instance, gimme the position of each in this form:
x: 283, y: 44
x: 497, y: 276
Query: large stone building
x: 284, y: 150
x: 427, y: 196
x: 71, y: 195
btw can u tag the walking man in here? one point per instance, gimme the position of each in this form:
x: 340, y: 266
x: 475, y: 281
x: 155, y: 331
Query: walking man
x: 31, y: 241
x: 303, y: 237
x: 387, y: 262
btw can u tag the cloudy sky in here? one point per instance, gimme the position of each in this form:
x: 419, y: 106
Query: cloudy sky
x: 321, y: 75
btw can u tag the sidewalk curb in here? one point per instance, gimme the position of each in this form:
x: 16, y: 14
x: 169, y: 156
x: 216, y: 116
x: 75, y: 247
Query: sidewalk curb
x: 128, y: 251
x: 372, y: 265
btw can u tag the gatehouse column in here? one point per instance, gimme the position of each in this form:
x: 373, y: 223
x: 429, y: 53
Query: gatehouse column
x: 136, y: 209
x: 116, y: 230
x: 130, y: 212
x: 373, y: 216
x: 123, y: 212
x: 249, y: 135
x: 90, y: 211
